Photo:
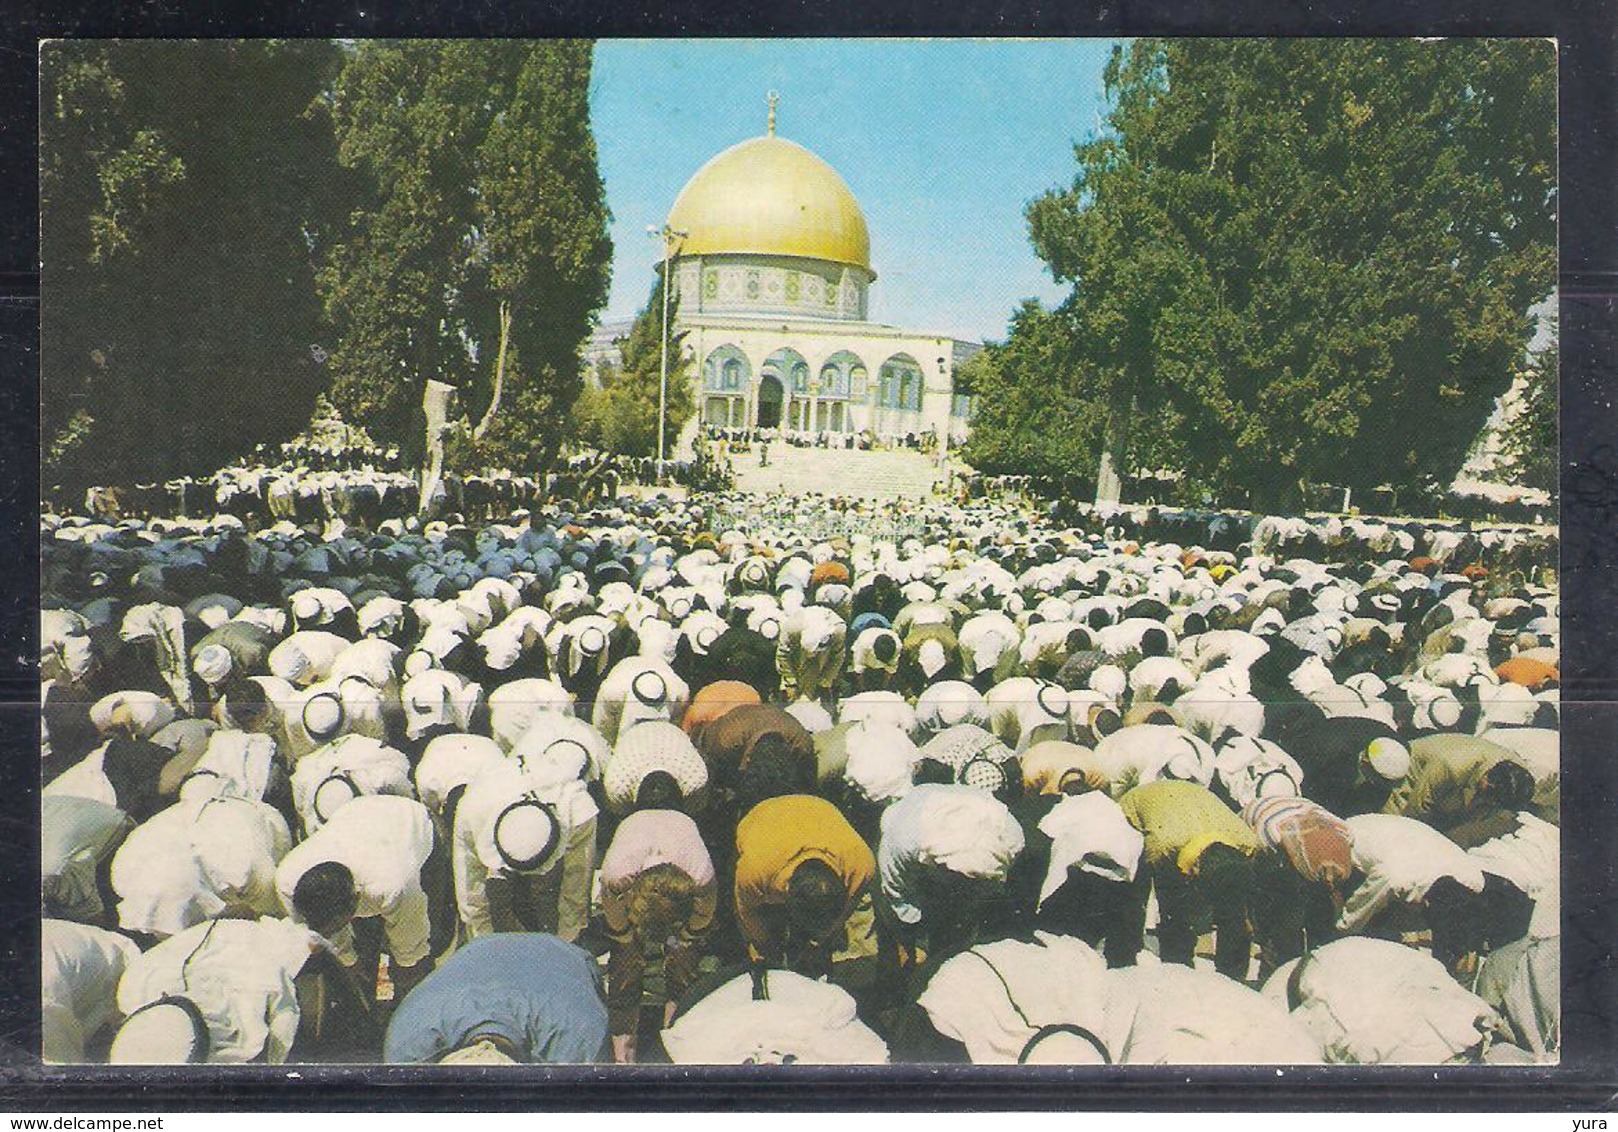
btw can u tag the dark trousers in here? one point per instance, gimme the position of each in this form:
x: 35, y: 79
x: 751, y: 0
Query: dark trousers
x: 628, y: 965
x: 1290, y: 913
x: 1184, y: 913
x: 1109, y: 915
x: 525, y: 903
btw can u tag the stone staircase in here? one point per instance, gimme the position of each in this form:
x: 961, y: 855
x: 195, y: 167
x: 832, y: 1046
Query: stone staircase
x: 838, y: 471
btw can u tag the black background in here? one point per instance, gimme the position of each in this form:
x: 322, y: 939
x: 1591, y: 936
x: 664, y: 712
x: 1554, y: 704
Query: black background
x: 1587, y: 1080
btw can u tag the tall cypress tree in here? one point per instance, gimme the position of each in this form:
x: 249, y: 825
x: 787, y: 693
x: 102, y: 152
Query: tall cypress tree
x: 480, y: 254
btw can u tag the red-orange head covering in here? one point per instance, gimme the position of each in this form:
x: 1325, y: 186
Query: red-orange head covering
x: 829, y: 572
x: 714, y: 700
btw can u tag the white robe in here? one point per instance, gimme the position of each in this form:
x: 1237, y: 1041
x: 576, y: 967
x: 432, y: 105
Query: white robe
x: 80, y: 967
x: 996, y: 997
x: 196, y: 860
x: 239, y: 973
x: 474, y: 857
x: 801, y: 1021
x: 1377, y: 1002
x: 384, y: 841
x: 1401, y: 858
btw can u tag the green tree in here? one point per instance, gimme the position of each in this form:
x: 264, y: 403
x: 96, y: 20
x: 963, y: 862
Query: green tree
x: 621, y: 415
x: 1005, y: 439
x: 1300, y: 261
x: 480, y: 254
x: 186, y: 189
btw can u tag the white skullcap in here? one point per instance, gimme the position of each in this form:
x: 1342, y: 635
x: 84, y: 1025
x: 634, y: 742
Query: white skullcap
x: 1110, y: 681
x: 1185, y: 765
x: 812, y: 715
x: 482, y: 1052
x: 323, y: 715
x: 1444, y: 711
x: 1053, y: 700
x: 289, y: 662
x: 501, y: 648
x: 213, y: 663
x: 592, y: 640
x: 161, y: 1033
x: 525, y: 833
x: 1277, y: 782
x: 336, y: 791
x: 305, y: 605
x: 931, y: 657
x: 1063, y: 1047
x: 649, y: 688
x: 378, y: 611
x: 213, y: 615
x: 1389, y: 758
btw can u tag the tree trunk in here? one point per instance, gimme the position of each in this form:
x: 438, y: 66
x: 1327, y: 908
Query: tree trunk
x: 499, y: 373
x: 1109, y: 478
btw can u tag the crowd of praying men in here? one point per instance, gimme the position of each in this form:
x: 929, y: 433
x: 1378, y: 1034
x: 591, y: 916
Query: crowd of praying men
x: 629, y: 784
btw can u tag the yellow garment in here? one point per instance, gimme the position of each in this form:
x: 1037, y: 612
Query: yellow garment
x: 778, y: 835
x: 1174, y: 816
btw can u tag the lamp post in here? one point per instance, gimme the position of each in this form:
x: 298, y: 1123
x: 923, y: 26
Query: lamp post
x: 668, y: 236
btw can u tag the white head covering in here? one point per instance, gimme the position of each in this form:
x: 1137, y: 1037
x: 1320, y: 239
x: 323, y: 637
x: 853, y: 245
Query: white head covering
x: 1389, y: 758
x: 306, y: 605
x: 1091, y: 832
x: 881, y: 760
x: 811, y: 714
x: 162, y: 1033
x: 323, y: 716
x: 526, y: 835
x: 334, y: 792
x: 213, y: 663
x: 801, y: 1020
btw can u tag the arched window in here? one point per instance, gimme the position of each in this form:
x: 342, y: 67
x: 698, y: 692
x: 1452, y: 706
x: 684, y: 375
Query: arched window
x: 726, y: 371
x: 836, y: 376
x: 800, y: 380
x: 900, y: 383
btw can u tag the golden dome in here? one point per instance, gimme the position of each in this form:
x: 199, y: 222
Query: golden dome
x: 769, y: 196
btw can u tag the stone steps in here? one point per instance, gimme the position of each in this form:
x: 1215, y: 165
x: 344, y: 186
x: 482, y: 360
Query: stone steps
x: 838, y: 471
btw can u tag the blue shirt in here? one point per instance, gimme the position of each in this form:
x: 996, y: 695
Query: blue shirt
x: 535, y: 991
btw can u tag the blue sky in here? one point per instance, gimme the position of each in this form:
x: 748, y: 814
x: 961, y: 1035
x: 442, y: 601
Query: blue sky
x: 944, y: 142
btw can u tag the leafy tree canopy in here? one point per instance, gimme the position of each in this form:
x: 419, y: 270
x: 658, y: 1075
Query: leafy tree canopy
x: 187, y: 189
x: 621, y: 415
x: 480, y: 253
x: 1294, y: 262
x: 1531, y: 441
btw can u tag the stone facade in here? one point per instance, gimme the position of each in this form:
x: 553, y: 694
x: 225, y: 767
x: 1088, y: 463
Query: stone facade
x: 824, y: 375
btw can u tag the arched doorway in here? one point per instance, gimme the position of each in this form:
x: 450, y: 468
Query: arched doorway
x: 791, y: 374
x: 769, y: 401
